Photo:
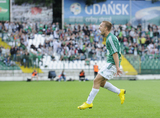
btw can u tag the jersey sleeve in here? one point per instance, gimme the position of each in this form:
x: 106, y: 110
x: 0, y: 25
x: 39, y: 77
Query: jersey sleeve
x: 113, y: 46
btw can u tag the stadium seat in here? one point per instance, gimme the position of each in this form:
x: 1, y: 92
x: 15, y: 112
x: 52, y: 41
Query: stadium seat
x: 79, y: 65
x: 66, y: 65
x: 91, y: 66
x: 54, y: 65
x: 48, y: 58
x: 75, y: 66
x: 70, y: 64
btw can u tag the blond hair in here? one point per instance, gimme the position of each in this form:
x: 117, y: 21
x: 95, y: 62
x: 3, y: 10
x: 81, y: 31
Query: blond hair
x: 108, y: 25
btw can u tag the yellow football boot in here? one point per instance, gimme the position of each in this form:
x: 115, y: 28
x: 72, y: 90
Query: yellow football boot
x: 85, y: 105
x: 121, y: 95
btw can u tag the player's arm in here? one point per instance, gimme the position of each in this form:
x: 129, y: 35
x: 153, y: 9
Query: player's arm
x: 114, y: 53
x: 116, y: 60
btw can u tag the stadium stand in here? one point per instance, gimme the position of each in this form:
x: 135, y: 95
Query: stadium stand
x: 52, y: 48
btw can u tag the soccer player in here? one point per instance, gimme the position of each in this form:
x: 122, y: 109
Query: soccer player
x: 110, y: 69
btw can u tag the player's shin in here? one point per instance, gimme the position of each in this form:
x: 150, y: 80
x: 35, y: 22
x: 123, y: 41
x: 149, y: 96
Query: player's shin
x: 92, y: 95
x: 111, y: 87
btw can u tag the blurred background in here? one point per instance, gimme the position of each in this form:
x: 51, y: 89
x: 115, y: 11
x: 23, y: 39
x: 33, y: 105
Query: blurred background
x: 63, y: 35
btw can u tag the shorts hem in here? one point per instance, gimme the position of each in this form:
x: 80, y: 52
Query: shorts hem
x: 104, y: 76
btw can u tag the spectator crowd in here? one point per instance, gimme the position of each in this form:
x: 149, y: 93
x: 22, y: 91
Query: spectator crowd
x: 73, y: 42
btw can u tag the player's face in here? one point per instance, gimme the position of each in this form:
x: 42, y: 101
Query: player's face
x: 102, y: 28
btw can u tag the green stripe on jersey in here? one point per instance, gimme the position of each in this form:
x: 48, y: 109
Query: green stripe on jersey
x: 113, y: 46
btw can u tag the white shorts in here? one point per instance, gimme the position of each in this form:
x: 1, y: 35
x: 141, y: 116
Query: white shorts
x: 108, y: 71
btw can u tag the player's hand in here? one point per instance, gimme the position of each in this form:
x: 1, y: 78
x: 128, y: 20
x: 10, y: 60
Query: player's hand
x: 119, y: 72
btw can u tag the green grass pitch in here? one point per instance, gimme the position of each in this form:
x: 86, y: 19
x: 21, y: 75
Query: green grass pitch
x: 50, y: 99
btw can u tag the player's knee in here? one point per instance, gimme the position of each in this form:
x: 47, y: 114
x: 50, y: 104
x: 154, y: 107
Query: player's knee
x: 102, y: 83
x: 97, y: 80
x: 94, y: 81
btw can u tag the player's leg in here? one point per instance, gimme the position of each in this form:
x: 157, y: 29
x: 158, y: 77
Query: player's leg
x: 97, y: 81
x: 108, y: 74
x: 93, y: 93
x: 96, y: 85
x: 109, y: 86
